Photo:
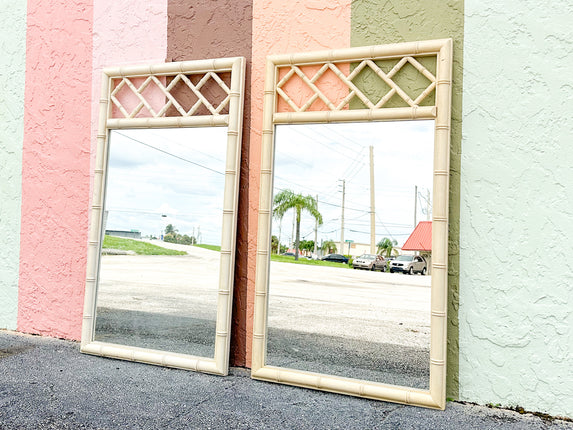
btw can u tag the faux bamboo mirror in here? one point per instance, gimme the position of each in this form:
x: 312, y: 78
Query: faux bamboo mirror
x: 163, y: 221
x: 355, y: 165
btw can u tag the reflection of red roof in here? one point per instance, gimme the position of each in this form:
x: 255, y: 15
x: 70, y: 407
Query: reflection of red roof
x: 421, y: 238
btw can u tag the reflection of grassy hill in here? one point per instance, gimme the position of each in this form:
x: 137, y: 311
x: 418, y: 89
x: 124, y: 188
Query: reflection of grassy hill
x: 211, y: 247
x: 140, y: 248
x: 301, y: 260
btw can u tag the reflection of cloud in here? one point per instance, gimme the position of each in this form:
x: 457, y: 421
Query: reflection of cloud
x: 403, y: 157
x: 167, y: 171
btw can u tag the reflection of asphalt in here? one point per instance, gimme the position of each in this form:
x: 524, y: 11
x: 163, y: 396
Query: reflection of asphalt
x: 181, y: 334
x: 48, y: 384
x: 349, y: 357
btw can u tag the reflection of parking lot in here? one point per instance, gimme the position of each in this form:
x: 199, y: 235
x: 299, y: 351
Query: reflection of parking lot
x: 320, y: 318
x: 354, y: 323
x: 372, y: 306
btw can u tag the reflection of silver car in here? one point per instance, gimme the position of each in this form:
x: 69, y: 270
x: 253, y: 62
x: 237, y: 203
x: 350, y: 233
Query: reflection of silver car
x: 365, y: 261
x: 409, y: 264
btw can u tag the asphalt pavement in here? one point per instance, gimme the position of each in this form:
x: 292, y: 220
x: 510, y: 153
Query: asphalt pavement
x: 48, y: 384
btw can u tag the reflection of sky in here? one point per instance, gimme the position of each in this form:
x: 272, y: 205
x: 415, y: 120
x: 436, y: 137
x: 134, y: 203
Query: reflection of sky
x: 313, y: 159
x: 174, y: 172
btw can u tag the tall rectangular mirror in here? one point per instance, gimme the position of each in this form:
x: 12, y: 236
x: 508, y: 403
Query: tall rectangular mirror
x: 352, y: 263
x: 368, y: 185
x: 162, y: 239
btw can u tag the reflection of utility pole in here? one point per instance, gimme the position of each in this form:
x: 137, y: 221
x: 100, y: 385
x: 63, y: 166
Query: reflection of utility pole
x: 163, y: 226
x: 316, y: 229
x: 342, y: 216
x: 293, y: 224
x: 428, y: 206
x: 199, y: 234
x: 415, y: 204
x: 372, y: 205
x: 279, y: 238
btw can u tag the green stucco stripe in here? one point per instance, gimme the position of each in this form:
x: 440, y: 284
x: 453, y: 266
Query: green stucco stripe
x: 379, y: 22
x: 12, y: 74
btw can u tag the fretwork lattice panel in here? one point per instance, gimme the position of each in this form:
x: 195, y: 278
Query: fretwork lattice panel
x: 178, y: 95
x: 405, y: 82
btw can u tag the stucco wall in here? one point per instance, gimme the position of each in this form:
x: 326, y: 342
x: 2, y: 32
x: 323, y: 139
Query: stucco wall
x: 379, y: 22
x: 55, y: 167
x: 282, y: 27
x: 516, y: 265
x: 206, y: 29
x: 12, y: 66
x: 125, y: 32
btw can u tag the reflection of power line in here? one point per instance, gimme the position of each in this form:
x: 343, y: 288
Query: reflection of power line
x: 170, y: 154
x: 180, y: 145
x: 367, y: 232
x: 140, y: 211
x: 394, y: 225
x: 330, y: 204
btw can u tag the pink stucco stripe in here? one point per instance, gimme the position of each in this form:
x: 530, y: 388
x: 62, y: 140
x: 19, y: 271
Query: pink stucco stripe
x: 124, y: 33
x: 55, y: 167
x: 281, y: 27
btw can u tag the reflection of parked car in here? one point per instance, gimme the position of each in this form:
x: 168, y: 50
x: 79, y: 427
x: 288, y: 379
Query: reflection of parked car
x: 337, y: 258
x: 288, y: 254
x: 365, y: 261
x: 380, y: 264
x: 409, y: 264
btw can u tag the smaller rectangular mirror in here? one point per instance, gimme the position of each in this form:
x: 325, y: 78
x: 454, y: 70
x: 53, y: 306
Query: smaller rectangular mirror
x: 163, y: 222
x: 160, y: 262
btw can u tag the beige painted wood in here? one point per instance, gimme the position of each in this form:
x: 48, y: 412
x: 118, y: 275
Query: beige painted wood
x: 440, y: 84
x: 219, y: 364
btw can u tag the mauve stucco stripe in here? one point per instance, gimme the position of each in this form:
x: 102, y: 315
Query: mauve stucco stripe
x: 207, y: 29
x: 55, y: 167
x: 12, y: 71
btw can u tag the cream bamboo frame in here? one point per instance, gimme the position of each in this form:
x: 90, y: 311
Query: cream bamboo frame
x: 440, y: 113
x: 219, y: 364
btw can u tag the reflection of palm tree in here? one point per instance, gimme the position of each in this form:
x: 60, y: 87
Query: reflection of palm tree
x: 170, y: 229
x: 386, y: 246
x: 329, y: 246
x: 286, y: 200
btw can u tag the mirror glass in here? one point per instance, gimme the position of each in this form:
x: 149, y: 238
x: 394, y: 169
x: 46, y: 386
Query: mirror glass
x: 159, y: 268
x: 369, y: 318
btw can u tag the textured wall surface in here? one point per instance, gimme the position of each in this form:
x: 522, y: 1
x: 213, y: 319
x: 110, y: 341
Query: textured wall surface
x: 281, y: 27
x: 125, y: 32
x: 378, y: 22
x: 55, y: 167
x: 516, y: 265
x: 207, y: 29
x: 12, y: 67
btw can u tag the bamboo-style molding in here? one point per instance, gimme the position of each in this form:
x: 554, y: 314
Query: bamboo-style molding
x: 219, y: 364
x: 435, y: 397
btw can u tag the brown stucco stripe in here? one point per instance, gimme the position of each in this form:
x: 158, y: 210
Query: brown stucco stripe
x: 208, y: 29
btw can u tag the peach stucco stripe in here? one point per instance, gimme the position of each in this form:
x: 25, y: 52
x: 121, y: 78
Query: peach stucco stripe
x: 281, y: 27
x: 55, y: 167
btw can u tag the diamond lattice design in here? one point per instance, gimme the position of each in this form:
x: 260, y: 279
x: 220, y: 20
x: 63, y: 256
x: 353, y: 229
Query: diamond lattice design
x: 347, y: 80
x: 153, y: 89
